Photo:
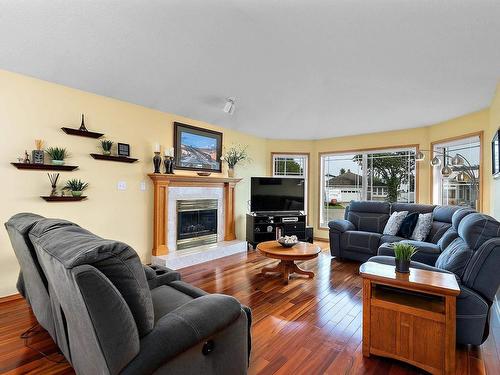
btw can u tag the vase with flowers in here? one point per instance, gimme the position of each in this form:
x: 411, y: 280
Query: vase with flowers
x: 234, y: 155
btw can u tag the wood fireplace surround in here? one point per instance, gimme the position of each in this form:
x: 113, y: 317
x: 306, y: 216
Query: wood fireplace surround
x: 161, y: 183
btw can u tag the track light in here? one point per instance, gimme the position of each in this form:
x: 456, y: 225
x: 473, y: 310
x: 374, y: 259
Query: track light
x: 229, y: 106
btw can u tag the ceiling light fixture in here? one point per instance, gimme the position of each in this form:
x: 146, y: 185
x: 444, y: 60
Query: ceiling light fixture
x: 230, y: 105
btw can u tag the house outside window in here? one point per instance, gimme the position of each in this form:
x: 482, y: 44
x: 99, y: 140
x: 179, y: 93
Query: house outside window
x: 380, y: 175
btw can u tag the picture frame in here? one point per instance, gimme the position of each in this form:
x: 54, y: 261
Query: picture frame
x: 123, y: 149
x: 495, y: 154
x: 197, y: 149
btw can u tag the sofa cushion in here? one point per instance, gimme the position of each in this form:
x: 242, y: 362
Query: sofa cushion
x: 423, y: 227
x: 390, y: 239
x: 368, y: 221
x: 455, y: 257
x: 394, y: 223
x: 438, y: 229
x: 478, y: 228
x: 341, y: 225
x: 427, y: 252
x: 364, y: 242
x: 447, y: 238
x: 408, y: 225
x: 389, y: 260
x: 72, y: 246
x: 459, y: 215
x: 444, y: 213
x: 374, y: 207
x: 412, y: 207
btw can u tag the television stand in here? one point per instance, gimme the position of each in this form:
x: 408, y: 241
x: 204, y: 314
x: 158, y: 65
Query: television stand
x: 262, y: 226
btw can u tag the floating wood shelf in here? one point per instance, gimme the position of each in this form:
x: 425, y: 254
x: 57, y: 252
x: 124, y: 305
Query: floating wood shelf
x: 122, y: 159
x: 44, y: 167
x: 63, y: 199
x: 82, y: 133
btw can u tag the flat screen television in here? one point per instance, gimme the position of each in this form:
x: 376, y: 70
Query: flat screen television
x: 277, y: 194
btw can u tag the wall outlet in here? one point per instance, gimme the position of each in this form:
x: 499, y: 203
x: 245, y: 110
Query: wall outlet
x: 122, y: 185
x: 143, y: 186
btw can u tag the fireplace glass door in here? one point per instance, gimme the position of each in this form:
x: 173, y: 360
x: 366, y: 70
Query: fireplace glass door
x: 196, y: 222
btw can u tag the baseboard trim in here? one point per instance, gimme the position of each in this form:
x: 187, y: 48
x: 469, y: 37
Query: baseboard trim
x: 320, y: 239
x: 13, y: 297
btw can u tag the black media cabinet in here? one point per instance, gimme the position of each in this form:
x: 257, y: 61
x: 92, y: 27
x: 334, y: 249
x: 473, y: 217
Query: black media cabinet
x: 262, y: 227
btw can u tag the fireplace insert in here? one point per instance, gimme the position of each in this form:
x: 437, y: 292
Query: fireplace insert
x: 196, y: 222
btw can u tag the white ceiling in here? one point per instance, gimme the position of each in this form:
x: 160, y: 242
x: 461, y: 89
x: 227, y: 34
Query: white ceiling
x: 301, y: 69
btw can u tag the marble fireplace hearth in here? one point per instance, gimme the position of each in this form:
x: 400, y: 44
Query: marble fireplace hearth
x: 168, y: 190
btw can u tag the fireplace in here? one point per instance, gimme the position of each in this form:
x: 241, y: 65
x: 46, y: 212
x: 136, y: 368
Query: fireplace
x: 196, y: 222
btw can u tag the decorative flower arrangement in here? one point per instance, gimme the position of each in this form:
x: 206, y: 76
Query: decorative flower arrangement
x: 403, y: 253
x: 234, y: 155
x: 106, y: 145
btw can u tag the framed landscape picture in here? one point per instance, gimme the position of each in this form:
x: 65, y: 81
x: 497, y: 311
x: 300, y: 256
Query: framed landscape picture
x: 495, y: 154
x: 197, y: 149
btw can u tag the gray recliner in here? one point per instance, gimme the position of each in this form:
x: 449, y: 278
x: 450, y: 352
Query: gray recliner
x: 473, y: 255
x: 118, y: 316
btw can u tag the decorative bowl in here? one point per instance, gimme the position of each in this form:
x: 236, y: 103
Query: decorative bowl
x: 291, y: 241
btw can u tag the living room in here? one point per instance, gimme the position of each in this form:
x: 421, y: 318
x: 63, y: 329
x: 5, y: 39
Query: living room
x: 118, y: 118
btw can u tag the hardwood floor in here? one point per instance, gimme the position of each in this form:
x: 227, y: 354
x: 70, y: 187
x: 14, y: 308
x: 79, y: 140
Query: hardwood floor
x: 310, y: 326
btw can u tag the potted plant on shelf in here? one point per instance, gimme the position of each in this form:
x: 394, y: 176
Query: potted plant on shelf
x: 57, y: 154
x: 106, y: 145
x: 76, y: 187
x: 403, y: 253
x: 234, y: 155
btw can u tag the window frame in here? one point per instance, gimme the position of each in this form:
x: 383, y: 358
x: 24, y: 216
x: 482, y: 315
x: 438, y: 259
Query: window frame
x: 380, y: 149
x: 307, y: 174
x: 479, y: 134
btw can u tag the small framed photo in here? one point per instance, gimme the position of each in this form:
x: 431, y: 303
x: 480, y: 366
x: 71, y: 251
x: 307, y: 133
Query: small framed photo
x: 123, y: 149
x: 495, y: 154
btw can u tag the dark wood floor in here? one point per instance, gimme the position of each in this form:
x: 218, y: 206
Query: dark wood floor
x: 305, y: 327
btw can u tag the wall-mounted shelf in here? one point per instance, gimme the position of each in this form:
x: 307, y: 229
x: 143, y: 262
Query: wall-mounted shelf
x: 63, y: 199
x: 122, y: 159
x: 82, y: 133
x: 44, y: 167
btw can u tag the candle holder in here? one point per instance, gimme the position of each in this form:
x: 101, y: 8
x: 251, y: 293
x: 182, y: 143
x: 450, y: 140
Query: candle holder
x: 157, y: 162
x: 169, y: 165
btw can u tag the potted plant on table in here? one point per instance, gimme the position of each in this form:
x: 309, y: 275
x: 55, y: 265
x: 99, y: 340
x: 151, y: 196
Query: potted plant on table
x: 106, y: 145
x: 76, y: 186
x: 234, y: 155
x: 57, y: 154
x: 403, y: 253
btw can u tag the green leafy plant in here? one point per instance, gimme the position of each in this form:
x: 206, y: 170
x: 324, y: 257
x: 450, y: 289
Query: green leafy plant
x: 106, y: 145
x: 403, y: 251
x: 235, y: 154
x: 75, y: 185
x: 57, y: 153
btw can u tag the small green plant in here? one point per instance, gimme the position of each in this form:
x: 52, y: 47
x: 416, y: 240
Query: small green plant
x: 106, y: 145
x: 403, y: 251
x: 76, y: 185
x: 235, y: 154
x: 57, y: 153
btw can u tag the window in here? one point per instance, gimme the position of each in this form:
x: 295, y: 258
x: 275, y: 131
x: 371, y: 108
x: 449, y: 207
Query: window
x: 292, y: 165
x: 382, y: 175
x: 462, y: 186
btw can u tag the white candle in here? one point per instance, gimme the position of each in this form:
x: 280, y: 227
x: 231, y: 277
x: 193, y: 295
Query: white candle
x: 157, y: 147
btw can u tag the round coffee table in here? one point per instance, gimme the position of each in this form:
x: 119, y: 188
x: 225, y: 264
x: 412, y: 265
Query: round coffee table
x: 287, y: 257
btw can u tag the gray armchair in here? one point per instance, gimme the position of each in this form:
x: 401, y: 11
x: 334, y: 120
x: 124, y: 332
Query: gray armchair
x: 118, y: 316
x: 474, y: 257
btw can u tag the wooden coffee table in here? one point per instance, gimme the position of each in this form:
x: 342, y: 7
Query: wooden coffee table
x: 287, y: 257
x: 410, y: 317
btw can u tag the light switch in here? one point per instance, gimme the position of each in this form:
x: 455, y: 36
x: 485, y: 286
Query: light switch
x: 122, y: 185
x: 143, y: 186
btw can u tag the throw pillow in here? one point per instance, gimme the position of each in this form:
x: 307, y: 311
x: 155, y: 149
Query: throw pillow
x: 423, y: 227
x: 408, y: 225
x: 394, y: 222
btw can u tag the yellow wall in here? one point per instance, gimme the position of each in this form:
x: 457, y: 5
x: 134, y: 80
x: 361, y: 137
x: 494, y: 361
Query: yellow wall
x: 474, y: 122
x: 494, y: 126
x: 33, y: 109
